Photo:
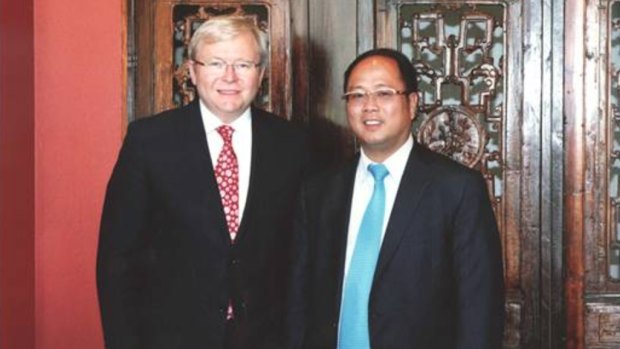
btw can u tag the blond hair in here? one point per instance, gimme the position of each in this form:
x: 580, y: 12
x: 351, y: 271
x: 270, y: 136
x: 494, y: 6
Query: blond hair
x: 222, y: 28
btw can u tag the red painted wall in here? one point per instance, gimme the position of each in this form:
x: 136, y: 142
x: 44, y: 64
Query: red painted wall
x: 64, y: 117
x: 16, y: 175
x: 78, y: 120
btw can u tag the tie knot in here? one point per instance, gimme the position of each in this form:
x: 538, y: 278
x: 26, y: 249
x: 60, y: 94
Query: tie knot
x: 225, y: 132
x: 379, y: 171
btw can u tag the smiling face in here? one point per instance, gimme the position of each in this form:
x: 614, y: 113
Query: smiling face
x: 228, y: 93
x: 381, y: 125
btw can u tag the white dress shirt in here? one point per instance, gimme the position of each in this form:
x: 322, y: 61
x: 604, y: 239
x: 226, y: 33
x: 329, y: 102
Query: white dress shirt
x: 242, y: 145
x: 363, y: 188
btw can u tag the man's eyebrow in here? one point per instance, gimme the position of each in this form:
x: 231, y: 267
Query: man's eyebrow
x: 379, y: 85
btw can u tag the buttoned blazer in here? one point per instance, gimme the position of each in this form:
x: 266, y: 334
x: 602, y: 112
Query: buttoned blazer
x: 438, y: 281
x: 166, y: 268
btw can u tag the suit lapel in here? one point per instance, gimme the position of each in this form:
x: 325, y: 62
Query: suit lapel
x: 416, y: 177
x: 338, y: 224
x: 261, y: 143
x: 205, y: 183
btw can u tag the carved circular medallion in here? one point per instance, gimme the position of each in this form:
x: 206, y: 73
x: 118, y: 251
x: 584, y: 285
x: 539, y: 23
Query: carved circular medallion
x: 455, y: 132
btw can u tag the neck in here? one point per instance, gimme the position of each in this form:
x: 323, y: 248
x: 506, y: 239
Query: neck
x: 376, y: 157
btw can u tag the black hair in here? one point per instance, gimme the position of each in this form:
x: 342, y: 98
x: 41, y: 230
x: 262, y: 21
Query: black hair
x: 407, y: 71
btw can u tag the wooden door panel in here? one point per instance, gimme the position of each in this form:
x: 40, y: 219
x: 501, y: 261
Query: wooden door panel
x: 469, y: 110
x: 596, y: 276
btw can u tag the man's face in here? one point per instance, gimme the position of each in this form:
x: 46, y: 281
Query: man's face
x: 381, y: 122
x: 227, y: 91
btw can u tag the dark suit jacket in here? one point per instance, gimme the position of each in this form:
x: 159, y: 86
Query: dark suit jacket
x: 438, y: 282
x: 166, y: 267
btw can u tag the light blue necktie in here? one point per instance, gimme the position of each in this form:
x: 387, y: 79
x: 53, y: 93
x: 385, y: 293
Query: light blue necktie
x: 354, y: 330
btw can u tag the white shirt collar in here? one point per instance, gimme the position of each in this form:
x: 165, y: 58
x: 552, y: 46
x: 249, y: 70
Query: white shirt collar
x: 395, y: 163
x: 211, y: 122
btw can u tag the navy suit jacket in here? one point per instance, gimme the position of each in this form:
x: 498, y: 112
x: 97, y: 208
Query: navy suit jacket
x: 166, y: 268
x: 438, y: 283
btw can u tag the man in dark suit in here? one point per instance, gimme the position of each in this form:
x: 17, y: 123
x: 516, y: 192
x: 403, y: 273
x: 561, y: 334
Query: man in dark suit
x: 196, y: 225
x: 399, y: 249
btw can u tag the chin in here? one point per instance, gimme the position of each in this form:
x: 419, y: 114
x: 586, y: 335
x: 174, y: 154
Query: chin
x: 373, y: 142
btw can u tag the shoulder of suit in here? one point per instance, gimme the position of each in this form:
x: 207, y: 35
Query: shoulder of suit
x: 334, y: 175
x: 272, y: 119
x: 165, y: 117
x: 443, y: 165
x: 165, y: 124
x: 280, y: 128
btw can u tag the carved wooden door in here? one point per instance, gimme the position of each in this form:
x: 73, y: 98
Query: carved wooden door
x: 528, y: 93
x: 593, y: 173
x: 481, y: 103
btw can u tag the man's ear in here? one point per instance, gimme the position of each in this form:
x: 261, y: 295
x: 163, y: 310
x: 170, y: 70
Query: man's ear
x: 191, y: 66
x: 413, y: 104
x: 261, y: 73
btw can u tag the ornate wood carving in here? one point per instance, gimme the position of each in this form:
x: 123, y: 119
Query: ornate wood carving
x: 514, y: 313
x: 600, y: 270
x: 470, y: 110
x: 602, y: 325
x: 458, y: 49
x: 458, y: 52
x: 456, y: 132
x: 613, y: 224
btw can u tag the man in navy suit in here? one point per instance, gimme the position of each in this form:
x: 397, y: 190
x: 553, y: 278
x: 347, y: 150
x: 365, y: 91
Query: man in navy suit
x: 196, y: 225
x: 399, y: 249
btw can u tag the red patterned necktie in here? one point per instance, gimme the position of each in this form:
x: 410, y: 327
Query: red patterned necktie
x: 227, y: 176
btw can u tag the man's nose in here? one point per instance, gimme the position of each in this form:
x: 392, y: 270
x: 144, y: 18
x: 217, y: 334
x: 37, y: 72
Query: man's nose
x: 369, y: 103
x: 229, y: 73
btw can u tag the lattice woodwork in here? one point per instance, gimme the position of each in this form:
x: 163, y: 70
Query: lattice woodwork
x: 602, y: 236
x: 602, y: 325
x: 458, y: 53
x: 613, y: 249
